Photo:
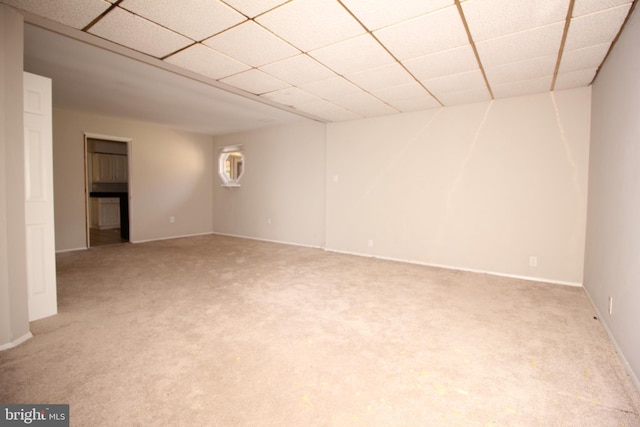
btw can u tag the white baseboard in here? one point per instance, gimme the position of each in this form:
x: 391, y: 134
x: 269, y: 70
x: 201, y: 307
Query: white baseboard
x: 71, y: 250
x: 16, y: 342
x: 172, y: 237
x: 625, y: 363
x: 269, y: 240
x: 470, y: 270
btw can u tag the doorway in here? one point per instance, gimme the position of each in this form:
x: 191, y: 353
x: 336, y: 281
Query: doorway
x: 107, y: 189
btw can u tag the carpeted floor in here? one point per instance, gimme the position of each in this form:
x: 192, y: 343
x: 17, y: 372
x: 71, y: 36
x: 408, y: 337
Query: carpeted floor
x: 218, y: 331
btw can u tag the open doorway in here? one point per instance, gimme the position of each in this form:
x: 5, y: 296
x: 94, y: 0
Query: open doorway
x: 107, y: 189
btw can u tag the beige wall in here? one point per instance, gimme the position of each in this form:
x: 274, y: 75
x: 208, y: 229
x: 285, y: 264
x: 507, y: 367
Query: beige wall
x: 612, y: 262
x: 14, y: 314
x: 281, y: 197
x: 171, y: 174
x: 479, y: 187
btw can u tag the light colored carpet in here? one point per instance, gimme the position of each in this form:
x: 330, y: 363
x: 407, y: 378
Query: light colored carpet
x: 218, y: 331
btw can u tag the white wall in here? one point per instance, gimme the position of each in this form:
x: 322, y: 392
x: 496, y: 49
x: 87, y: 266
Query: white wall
x: 612, y: 259
x: 478, y: 187
x: 171, y: 174
x: 283, y: 182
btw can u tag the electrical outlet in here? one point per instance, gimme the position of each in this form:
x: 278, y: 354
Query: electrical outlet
x: 172, y: 219
x: 269, y: 221
x: 370, y: 243
x: 610, y: 306
x: 533, y: 261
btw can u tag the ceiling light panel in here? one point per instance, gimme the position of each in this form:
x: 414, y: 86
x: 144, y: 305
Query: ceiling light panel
x: 530, y: 69
x: 583, y: 7
x: 74, y: 13
x: 529, y: 44
x: 390, y: 75
x: 203, y: 60
x: 595, y: 28
x: 255, y: 81
x: 525, y: 87
x: 353, y: 55
x: 251, y: 44
x: 331, y: 89
x: 575, y: 79
x: 375, y: 14
x: 427, y: 34
x: 137, y: 33
x: 253, y: 8
x: 580, y: 59
x: 366, y: 105
x: 452, y: 61
x: 311, y: 24
x: 298, y: 70
x: 488, y: 19
x: 409, y: 97
x: 196, y: 19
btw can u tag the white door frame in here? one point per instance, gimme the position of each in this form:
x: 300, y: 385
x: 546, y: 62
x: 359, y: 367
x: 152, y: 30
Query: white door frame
x: 87, y: 178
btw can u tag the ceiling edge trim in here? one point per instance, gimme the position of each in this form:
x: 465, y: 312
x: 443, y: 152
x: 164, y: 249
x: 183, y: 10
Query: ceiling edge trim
x: 615, y: 40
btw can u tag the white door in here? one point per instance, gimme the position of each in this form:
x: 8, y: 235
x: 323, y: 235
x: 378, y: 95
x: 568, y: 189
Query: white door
x: 38, y: 146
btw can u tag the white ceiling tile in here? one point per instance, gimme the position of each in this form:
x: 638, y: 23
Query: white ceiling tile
x: 523, y: 70
x: 365, y: 104
x: 331, y: 89
x: 291, y: 96
x: 328, y: 111
x: 453, y: 61
x: 137, y: 33
x: 540, y: 41
x: 298, y: 70
x: 427, y: 34
x: 596, y: 28
x: 197, y: 19
x: 455, y: 82
x: 389, y: 75
x: 74, y: 13
x: 465, y: 96
x: 255, y: 81
x: 202, y: 60
x: 579, y: 59
x: 573, y: 79
x: 311, y: 24
x: 525, y: 87
x: 584, y: 7
x: 409, y: 97
x: 376, y: 14
x: 253, y: 8
x: 240, y: 43
x: 488, y: 19
x: 353, y: 55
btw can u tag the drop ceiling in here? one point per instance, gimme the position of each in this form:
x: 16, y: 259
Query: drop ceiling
x: 331, y: 60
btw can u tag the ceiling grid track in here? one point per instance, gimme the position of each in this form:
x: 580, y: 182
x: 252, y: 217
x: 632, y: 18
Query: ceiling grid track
x: 567, y: 23
x: 338, y: 60
x: 389, y: 52
x: 473, y: 46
